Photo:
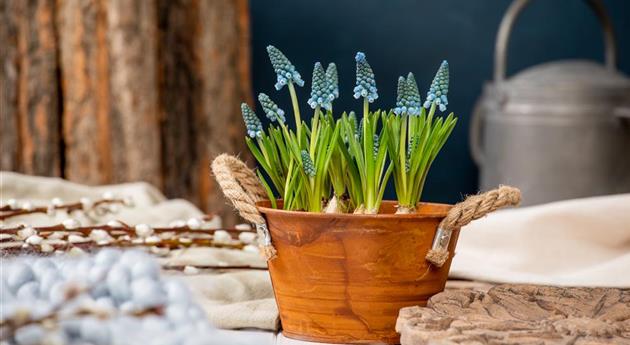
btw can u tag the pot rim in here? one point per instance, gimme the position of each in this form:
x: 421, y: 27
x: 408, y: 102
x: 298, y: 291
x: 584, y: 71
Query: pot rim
x: 264, y: 206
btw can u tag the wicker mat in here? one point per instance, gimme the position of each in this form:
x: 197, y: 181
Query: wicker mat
x: 519, y: 314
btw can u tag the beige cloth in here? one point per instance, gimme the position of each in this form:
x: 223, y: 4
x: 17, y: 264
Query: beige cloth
x: 236, y: 299
x: 582, y: 242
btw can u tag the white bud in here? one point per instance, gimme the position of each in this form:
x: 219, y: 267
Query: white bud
x: 143, y: 230
x: 222, y: 236
x: 27, y: 206
x: 86, y: 203
x: 153, y: 239
x: 98, y: 235
x: 46, y: 248
x: 108, y: 195
x: 191, y: 270
x: 77, y: 239
x: 34, y: 240
x: 70, y: 223
x: 56, y: 202
x: 57, y: 235
x: 76, y: 251
x: 247, y: 237
x: 26, y: 233
x: 194, y: 223
x: 12, y: 203
x: 114, y: 224
x: 243, y: 227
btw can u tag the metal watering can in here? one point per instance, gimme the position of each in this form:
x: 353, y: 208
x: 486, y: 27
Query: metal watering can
x: 559, y: 130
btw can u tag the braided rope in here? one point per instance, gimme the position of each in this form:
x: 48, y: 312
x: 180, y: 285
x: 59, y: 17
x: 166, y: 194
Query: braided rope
x: 240, y: 185
x: 477, y: 206
x: 474, y: 207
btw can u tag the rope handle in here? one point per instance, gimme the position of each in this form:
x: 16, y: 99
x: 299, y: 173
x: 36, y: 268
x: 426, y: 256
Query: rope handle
x: 240, y: 185
x: 474, y: 207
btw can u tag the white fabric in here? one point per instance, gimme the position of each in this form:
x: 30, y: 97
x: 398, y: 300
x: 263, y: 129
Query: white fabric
x: 582, y: 242
x: 236, y: 299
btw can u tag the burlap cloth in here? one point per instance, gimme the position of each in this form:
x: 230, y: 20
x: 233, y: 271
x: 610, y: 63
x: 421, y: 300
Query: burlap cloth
x: 582, y: 242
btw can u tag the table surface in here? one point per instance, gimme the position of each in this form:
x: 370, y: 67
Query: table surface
x: 259, y: 337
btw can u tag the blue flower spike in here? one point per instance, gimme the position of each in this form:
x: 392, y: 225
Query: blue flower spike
x: 408, y: 96
x: 285, y: 71
x: 439, y: 88
x: 307, y: 163
x: 414, y: 104
x: 271, y: 109
x: 333, y: 80
x: 319, y: 89
x: 252, y: 122
x: 366, y: 86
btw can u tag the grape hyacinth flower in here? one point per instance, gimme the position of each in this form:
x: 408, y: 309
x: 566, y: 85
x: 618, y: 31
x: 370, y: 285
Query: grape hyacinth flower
x: 366, y: 86
x: 307, y: 162
x: 271, y: 109
x: 284, y: 69
x: 401, y: 96
x: 413, y: 96
x: 252, y: 123
x: 439, y: 88
x: 408, y: 97
x: 333, y: 80
x: 319, y: 89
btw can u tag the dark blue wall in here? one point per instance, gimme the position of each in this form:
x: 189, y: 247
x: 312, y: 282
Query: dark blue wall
x: 402, y: 35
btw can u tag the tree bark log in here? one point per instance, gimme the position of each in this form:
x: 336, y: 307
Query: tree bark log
x: 31, y: 103
x: 107, y: 91
x: 9, y: 141
x: 520, y: 314
x: 131, y: 39
x: 180, y: 95
x: 85, y: 83
x: 225, y: 70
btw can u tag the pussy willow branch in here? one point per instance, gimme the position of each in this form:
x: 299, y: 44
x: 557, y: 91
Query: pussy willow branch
x: 6, y: 211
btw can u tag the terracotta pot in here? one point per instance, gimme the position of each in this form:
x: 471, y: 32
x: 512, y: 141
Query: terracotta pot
x: 342, y: 278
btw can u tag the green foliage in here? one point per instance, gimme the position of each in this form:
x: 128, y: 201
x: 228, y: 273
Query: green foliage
x: 347, y: 160
x: 415, y: 142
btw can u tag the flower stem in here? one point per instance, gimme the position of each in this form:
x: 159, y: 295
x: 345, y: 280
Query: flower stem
x: 296, y: 110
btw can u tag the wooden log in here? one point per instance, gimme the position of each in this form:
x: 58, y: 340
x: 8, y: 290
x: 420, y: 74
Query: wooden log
x: 180, y: 96
x: 82, y: 28
x: 224, y: 55
x: 30, y: 92
x: 9, y: 142
x: 135, y: 133
x: 520, y: 314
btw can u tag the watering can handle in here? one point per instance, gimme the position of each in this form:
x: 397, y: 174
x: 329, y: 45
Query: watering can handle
x: 241, y: 186
x: 505, y: 29
x: 474, y: 207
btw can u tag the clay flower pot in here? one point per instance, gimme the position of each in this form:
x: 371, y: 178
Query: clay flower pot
x: 342, y: 278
